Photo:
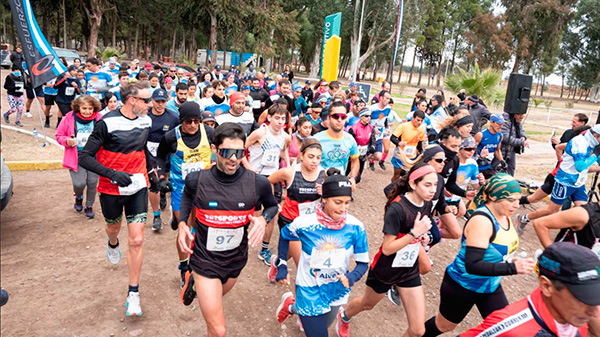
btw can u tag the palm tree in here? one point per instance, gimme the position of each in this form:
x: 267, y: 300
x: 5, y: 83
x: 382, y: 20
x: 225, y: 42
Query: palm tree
x: 486, y: 84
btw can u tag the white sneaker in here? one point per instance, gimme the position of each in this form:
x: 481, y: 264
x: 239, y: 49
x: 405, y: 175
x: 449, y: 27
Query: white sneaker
x: 133, y: 304
x: 28, y: 115
x: 113, y: 254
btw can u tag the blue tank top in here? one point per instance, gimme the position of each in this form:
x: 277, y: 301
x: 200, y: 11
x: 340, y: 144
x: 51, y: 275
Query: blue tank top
x: 491, y: 141
x: 501, y: 249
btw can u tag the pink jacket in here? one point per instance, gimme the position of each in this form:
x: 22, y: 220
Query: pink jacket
x: 65, y: 130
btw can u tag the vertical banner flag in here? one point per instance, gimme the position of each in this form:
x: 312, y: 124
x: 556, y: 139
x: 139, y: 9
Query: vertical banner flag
x: 42, y: 61
x: 331, y: 28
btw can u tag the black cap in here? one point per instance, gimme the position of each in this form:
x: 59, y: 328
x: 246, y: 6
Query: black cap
x: 422, y: 90
x: 474, y: 98
x: 15, y: 66
x: 575, y: 266
x: 189, y: 110
x: 73, y: 67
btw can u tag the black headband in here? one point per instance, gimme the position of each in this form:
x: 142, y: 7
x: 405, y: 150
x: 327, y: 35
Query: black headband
x: 464, y: 121
x: 337, y: 187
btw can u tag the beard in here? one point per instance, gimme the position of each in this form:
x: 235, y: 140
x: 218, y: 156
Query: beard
x: 140, y: 112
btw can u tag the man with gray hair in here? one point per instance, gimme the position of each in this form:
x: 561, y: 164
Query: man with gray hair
x: 116, y: 150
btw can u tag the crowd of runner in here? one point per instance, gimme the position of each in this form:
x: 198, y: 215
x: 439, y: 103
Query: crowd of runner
x: 236, y: 153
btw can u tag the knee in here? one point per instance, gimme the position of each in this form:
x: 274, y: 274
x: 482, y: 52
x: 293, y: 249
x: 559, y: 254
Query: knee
x: 217, y: 331
x: 136, y: 241
x: 367, y: 306
x: 416, y: 330
x: 79, y: 186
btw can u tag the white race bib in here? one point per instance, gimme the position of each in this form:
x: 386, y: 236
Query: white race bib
x: 407, y: 256
x: 138, y: 181
x: 596, y: 248
x: 20, y: 85
x: 222, y: 239
x: 256, y: 104
x: 307, y: 208
x: 362, y: 150
x: 270, y: 157
x: 69, y: 91
x: 187, y: 168
x: 152, y: 148
x: 96, y: 95
x: 410, y: 150
x: 327, y: 259
x: 82, y: 138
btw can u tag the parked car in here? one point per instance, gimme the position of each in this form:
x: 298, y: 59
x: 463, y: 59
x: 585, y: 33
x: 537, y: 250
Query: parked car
x: 5, y: 56
x: 7, y: 185
x: 188, y: 71
x: 69, y: 54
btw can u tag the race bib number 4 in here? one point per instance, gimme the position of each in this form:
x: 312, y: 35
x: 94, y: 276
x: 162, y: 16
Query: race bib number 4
x: 187, y: 168
x: 327, y: 259
x: 407, y: 256
x: 222, y: 239
x: 307, y: 208
x: 138, y: 181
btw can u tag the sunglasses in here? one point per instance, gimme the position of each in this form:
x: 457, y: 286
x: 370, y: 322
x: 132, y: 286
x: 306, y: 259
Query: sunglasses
x: 191, y: 121
x: 338, y: 116
x: 228, y: 153
x: 469, y: 149
x: 146, y: 100
x: 439, y: 160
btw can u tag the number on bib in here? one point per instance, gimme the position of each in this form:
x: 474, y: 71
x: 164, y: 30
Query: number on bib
x: 256, y: 104
x: 69, y: 91
x: 187, y: 168
x: 270, y: 157
x: 307, y: 208
x: 138, y: 181
x: 407, y: 256
x: 410, y: 150
x: 362, y: 150
x: 20, y: 86
x: 152, y: 148
x: 222, y: 239
x: 327, y: 259
x: 82, y: 138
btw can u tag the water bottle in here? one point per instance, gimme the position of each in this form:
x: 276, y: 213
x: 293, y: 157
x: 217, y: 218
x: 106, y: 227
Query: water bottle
x: 36, y: 136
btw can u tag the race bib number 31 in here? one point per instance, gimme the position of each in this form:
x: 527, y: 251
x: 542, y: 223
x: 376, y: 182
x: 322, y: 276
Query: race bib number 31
x: 222, y: 239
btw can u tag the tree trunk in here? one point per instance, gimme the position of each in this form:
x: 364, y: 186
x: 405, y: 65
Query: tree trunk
x: 64, y: 25
x: 314, y: 67
x: 453, y: 55
x: 402, y: 62
x: 159, y: 47
x: 562, y: 85
x: 57, y: 36
x: 429, y: 73
x: 129, y: 53
x: 114, y: 33
x: 517, y: 62
x: 183, y: 41
x: 412, y: 67
x: 375, y: 68
x: 439, y: 73
x: 213, y: 37
x: 581, y: 92
x: 93, y: 40
x: 136, y: 47
x: 543, y: 81
x: 420, y: 73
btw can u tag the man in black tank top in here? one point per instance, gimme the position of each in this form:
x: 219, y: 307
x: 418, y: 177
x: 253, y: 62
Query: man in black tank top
x: 223, y: 199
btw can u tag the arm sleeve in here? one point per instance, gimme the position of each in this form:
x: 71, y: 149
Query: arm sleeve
x: 514, y: 139
x: 357, y: 273
x: 87, y: 156
x: 582, y: 164
x: 264, y: 193
x: 474, y: 264
x: 394, y: 140
x: 162, y: 154
x: 187, y: 197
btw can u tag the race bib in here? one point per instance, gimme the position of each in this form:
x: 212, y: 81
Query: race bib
x: 327, y: 259
x: 596, y: 248
x: 187, y: 168
x: 82, y: 138
x: 138, y: 181
x: 96, y: 95
x: 307, y: 208
x: 410, y: 150
x: 152, y: 148
x: 222, y: 239
x: 256, y: 104
x: 20, y: 86
x: 362, y: 150
x: 69, y: 91
x: 270, y: 157
x: 407, y: 256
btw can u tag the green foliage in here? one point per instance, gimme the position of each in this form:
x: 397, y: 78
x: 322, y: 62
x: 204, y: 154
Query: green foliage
x: 537, y: 101
x: 569, y: 104
x: 106, y: 53
x: 548, y: 103
x: 485, y: 84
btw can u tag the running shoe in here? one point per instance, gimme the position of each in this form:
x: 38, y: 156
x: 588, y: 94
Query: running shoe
x: 163, y: 201
x: 28, y: 115
x: 173, y: 222
x: 393, y: 296
x: 113, y: 254
x: 372, y: 166
x: 283, y: 311
x: 382, y: 165
x: 188, y: 293
x: 183, y: 272
x: 6, y: 120
x: 19, y: 124
x: 78, y: 204
x: 47, y: 124
x: 133, y: 304
x: 342, y: 328
x: 521, y: 223
x: 299, y: 324
x: 265, y: 256
x: 89, y: 212
x: 272, y: 273
x: 157, y: 224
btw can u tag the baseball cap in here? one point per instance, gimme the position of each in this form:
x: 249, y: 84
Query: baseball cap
x: 245, y: 88
x: 307, y: 82
x: 323, y: 82
x: 160, y: 95
x: 575, y: 266
x: 73, y: 67
x: 217, y: 67
x: 352, y: 84
x: 148, y: 65
x: 474, y: 98
x: 296, y: 87
x: 135, y: 61
x: 364, y: 112
x: 316, y: 106
x: 596, y: 129
x: 321, y: 99
x: 497, y: 117
x: 168, y: 79
x: 208, y: 116
x: 263, y: 71
x: 468, y: 142
x: 112, y: 60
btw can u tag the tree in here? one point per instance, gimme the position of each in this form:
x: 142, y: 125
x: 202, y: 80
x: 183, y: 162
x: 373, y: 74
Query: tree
x: 485, y: 84
x: 490, y: 38
x: 95, y: 10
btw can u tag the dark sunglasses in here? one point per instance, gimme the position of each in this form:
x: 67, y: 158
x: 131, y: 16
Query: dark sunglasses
x: 228, y: 153
x: 469, y: 149
x: 190, y: 121
x: 338, y: 116
x: 439, y: 160
x: 146, y: 100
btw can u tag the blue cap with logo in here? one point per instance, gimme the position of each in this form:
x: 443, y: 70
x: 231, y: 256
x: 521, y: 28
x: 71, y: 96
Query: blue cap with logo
x: 160, y: 95
x: 497, y: 118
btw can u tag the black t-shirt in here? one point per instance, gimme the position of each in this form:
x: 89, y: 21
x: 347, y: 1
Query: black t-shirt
x: 587, y: 235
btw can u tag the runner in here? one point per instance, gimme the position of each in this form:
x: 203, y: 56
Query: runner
x: 14, y: 83
x: 314, y: 114
x: 407, y: 220
x: 489, y: 143
x: 50, y: 93
x: 267, y: 146
x: 109, y: 102
x: 217, y: 103
x: 409, y: 139
x: 329, y: 237
x: 489, y: 242
x: 97, y: 82
x: 303, y: 130
x: 68, y: 87
x: 365, y: 140
x: 181, y: 95
x: 467, y: 176
x: 208, y: 119
x: 238, y: 115
x: 163, y: 120
x: 73, y: 133
x: 259, y: 96
x: 222, y: 211
x: 437, y: 113
x: 379, y: 115
x: 116, y: 151
x: 338, y: 146
x: 568, y: 297
x: 303, y: 180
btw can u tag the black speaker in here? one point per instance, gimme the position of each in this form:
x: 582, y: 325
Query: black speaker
x: 517, y: 93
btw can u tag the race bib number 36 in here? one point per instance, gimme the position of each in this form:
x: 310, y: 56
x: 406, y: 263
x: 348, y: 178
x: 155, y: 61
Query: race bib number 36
x: 327, y: 259
x: 407, y: 256
x: 222, y: 239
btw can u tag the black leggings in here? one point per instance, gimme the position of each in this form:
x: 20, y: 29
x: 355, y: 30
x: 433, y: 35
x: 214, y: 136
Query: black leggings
x: 316, y: 326
x: 456, y: 301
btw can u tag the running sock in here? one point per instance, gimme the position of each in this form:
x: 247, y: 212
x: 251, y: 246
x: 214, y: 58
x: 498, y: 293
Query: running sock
x: 157, y: 214
x: 431, y: 329
x: 113, y: 246
x: 135, y: 289
x: 184, y: 264
x: 524, y: 219
x: 383, y: 156
x: 292, y: 309
x: 371, y: 161
x: 265, y: 246
x: 47, y: 118
x: 345, y: 318
x: 524, y: 200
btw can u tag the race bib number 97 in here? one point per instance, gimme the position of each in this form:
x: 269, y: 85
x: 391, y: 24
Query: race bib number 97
x: 222, y: 239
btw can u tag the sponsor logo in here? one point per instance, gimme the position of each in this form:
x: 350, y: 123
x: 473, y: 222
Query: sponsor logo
x: 42, y: 65
x: 241, y: 204
x: 587, y: 275
x: 165, y: 128
x: 212, y: 204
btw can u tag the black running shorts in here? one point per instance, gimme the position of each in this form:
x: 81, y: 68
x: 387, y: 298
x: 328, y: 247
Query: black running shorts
x: 381, y: 288
x: 135, y: 206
